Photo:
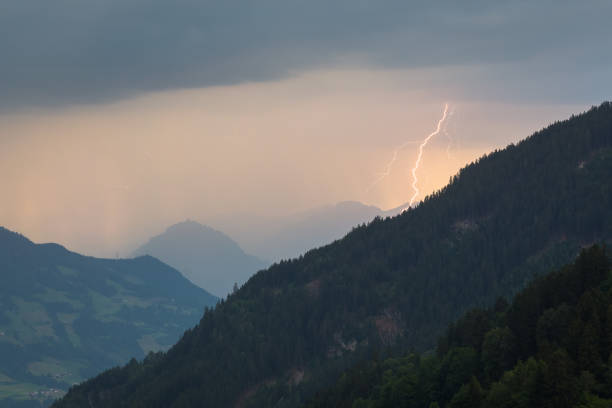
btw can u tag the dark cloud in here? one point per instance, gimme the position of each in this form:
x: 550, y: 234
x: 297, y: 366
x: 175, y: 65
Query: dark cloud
x: 74, y: 51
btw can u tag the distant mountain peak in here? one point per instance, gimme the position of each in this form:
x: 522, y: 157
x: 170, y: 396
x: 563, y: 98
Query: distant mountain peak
x: 188, y: 224
x: 206, y: 256
x: 191, y: 227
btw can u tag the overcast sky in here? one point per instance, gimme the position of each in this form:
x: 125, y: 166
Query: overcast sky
x: 74, y: 51
x: 119, y: 117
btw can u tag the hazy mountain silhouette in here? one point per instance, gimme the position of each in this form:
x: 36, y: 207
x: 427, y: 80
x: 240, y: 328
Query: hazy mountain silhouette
x: 205, y: 256
x: 64, y: 316
x: 285, y: 237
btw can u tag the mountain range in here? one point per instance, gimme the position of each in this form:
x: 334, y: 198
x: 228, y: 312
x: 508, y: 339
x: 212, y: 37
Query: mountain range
x: 284, y: 237
x: 64, y: 317
x: 394, y: 284
x: 205, y: 256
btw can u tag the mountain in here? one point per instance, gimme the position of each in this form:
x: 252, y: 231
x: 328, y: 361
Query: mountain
x: 315, y: 227
x: 64, y: 317
x: 550, y: 348
x: 289, y: 236
x: 206, y: 257
x: 394, y: 284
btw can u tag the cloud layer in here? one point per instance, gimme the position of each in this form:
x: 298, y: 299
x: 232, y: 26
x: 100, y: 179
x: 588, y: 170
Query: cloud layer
x: 74, y: 51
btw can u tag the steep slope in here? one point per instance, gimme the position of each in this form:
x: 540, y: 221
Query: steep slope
x: 206, y: 257
x: 289, y: 236
x: 550, y: 348
x: 394, y: 283
x: 64, y: 317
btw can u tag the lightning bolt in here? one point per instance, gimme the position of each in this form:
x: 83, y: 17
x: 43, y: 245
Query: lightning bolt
x: 415, y: 180
x: 389, y: 166
x: 451, y: 138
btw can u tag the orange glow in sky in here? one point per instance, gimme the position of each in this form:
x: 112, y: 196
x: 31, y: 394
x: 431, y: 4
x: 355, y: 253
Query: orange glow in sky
x: 102, y: 178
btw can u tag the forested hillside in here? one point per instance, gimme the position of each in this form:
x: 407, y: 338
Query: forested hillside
x: 395, y: 283
x: 65, y: 317
x: 550, y: 348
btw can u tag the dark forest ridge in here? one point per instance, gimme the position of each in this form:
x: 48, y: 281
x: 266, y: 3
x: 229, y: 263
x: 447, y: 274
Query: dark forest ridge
x: 550, y: 348
x: 397, y: 282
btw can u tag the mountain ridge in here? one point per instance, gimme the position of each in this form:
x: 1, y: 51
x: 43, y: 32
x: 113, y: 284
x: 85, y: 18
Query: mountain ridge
x: 395, y: 283
x: 65, y: 316
x: 207, y: 257
x: 550, y: 347
x: 289, y: 236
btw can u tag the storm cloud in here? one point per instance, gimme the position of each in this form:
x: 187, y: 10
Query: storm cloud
x: 77, y: 51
